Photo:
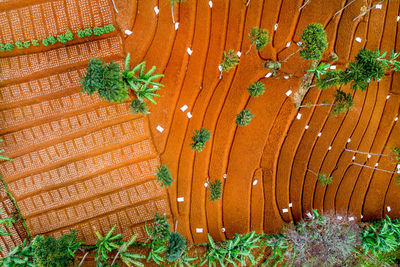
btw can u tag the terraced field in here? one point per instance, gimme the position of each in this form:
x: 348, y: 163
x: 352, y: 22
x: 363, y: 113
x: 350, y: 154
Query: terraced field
x: 80, y: 163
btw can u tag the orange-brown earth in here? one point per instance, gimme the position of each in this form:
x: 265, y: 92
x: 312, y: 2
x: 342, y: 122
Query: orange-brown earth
x: 80, y: 163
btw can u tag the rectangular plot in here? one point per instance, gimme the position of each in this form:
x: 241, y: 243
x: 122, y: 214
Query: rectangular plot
x: 61, y: 16
x: 27, y: 23
x: 38, y: 22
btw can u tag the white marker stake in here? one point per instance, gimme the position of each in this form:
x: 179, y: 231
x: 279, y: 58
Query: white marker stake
x: 189, y: 115
x: 205, y: 184
x: 396, y: 119
x: 358, y: 39
x: 298, y: 116
x: 376, y: 164
x: 369, y: 156
x: 210, y: 4
x: 288, y: 44
x: 160, y: 129
x: 319, y: 134
x: 299, y: 43
x: 184, y: 107
x: 306, y: 127
x: 269, y: 74
x: 333, y: 67
x: 388, y: 208
x: 309, y: 215
x: 288, y: 93
x: 128, y: 32
x: 285, y: 210
x: 351, y: 219
x: 286, y: 77
x: 329, y: 148
x: 189, y: 51
x: 199, y: 230
x: 156, y: 10
x: 223, y: 229
x: 180, y: 199
x: 290, y: 205
x: 339, y: 217
x: 255, y: 182
x: 353, y: 158
x: 176, y: 25
x: 378, y: 6
x: 276, y: 27
x: 398, y: 18
x: 239, y: 53
x: 224, y: 175
x: 348, y: 140
x: 387, y: 97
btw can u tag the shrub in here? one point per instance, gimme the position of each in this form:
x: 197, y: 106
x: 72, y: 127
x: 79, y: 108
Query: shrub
x: 3, y: 47
x: 19, y: 256
x: 244, y: 117
x: 230, y: 60
x: 215, y: 190
x: 164, y: 176
x: 176, y: 247
x: 98, y: 31
x: 139, y: 107
x: 81, y: 33
x: 260, y: 37
x: 49, y: 251
x: 62, y: 39
x: 256, y: 89
x: 159, y: 231
x: 19, y: 45
x: 69, y: 35
x: 396, y: 152
x: 105, y: 245
x: 88, y: 31
x: 9, y: 46
x: 324, y: 238
x: 324, y: 179
x: 343, y: 103
x: 314, y: 42
x: 45, y: 42
x: 6, y: 221
x: 27, y: 44
x: 200, y: 137
x: 109, y: 28
x: 35, y: 42
x: 106, y: 79
x: 52, y: 40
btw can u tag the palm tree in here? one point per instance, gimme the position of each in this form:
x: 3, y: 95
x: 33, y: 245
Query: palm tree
x: 126, y: 257
x: 106, y: 244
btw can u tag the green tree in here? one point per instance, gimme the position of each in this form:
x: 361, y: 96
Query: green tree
x: 176, y: 247
x: 163, y: 176
x: 244, y: 117
x: 48, y: 251
x: 259, y: 37
x: 105, y: 245
x: 139, y: 107
x: 215, y: 190
x: 320, y: 70
x: 199, y: 138
x: 230, y: 60
x: 256, y: 89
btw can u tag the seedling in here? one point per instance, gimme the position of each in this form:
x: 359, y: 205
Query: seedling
x: 273, y: 65
x: 200, y: 137
x: 259, y: 37
x: 256, y: 89
x: 244, y: 117
x: 164, y: 177
x: 230, y: 60
x: 139, y: 107
x: 215, y: 190
x: 343, y: 102
x: 323, y: 179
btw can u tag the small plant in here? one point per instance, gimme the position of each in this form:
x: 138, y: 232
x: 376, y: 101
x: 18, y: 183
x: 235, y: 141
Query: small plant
x: 396, y: 152
x: 244, y: 117
x: 159, y: 235
x: 139, y: 107
x: 19, y: 45
x: 320, y: 70
x: 273, y: 65
x: 164, y: 176
x: 172, y: 8
x: 343, y: 103
x: 324, y: 179
x: 50, y: 40
x: 27, y: 44
x: 127, y: 257
x: 105, y: 245
x: 19, y: 256
x: 109, y: 28
x: 259, y: 37
x: 230, y: 60
x: 9, y: 46
x: 98, y: 31
x: 314, y: 42
x: 7, y: 222
x: 35, y: 42
x: 215, y: 190
x: 256, y: 89
x: 176, y: 247
x: 200, y: 137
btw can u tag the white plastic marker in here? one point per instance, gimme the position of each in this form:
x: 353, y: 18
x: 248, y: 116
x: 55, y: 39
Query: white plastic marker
x: 339, y: 217
x: 199, y: 230
x: 176, y: 25
x: 351, y: 219
x: 348, y: 140
x: 329, y: 148
x: 189, y: 115
x: 156, y: 10
x: 219, y: 67
x: 319, y: 134
x: 160, y: 129
x: 224, y: 175
x: 239, y: 53
x: 290, y: 205
x: 223, y: 229
x: 376, y: 164
x: 128, y: 32
x: 276, y: 27
x: 210, y: 4
x: 378, y: 6
x: 369, y: 156
x: 180, y: 199
x: 333, y: 67
x: 255, y: 182
x: 298, y: 116
x: 184, y: 107
x: 286, y: 77
x: 285, y: 210
x: 396, y: 119
x: 398, y: 18
x: 269, y: 74
x: 288, y: 44
x: 353, y: 158
x: 358, y: 39
x: 309, y: 215
x: 205, y: 184
x: 388, y: 208
x: 189, y: 51
x: 288, y: 93
x: 299, y: 43
x: 306, y: 127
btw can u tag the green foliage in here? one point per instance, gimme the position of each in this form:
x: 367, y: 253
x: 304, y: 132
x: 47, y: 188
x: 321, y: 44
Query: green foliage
x: 141, y: 82
x: 200, y: 137
x: 45, y: 42
x: 324, y: 179
x: 9, y: 46
x: 27, y: 44
x: 391, y: 63
x: 127, y: 257
x: 35, y: 42
x: 256, y: 89
x: 314, y: 42
x: 320, y: 70
x: 52, y: 40
x: 260, y: 37
x: 329, y: 79
x: 1, y: 151
x: 67, y: 36
x: 244, y: 117
x: 2, y: 47
x: 381, y: 236
x: 19, y: 45
x: 109, y: 28
x: 343, y: 103
x: 159, y: 231
x: 19, y: 256
x: 230, y: 60
x: 98, y: 31
x: 7, y: 222
x: 48, y: 251
x: 177, y: 1
x: 105, y: 245
x: 105, y: 79
x: 176, y: 247
x: 215, y: 190
x: 139, y: 107
x: 164, y: 177
x: 280, y: 245
x: 396, y: 152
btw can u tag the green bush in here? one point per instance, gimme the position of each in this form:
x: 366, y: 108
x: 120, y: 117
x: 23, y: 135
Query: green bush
x: 62, y: 39
x: 45, y: 42
x: 19, y: 45
x: 159, y: 231
x: 27, y: 44
x: 230, y: 60
x: 9, y: 46
x: 343, y: 103
x: 176, y: 247
x: 81, y: 33
x: 109, y: 28
x: 164, y: 177
x: 256, y: 89
x: 48, y: 251
x: 260, y: 37
x: 215, y: 190
x: 244, y: 117
x: 199, y: 138
x: 324, y: 179
x: 52, y: 40
x: 396, y: 152
x: 139, y: 107
x: 69, y: 35
x: 98, y: 30
x: 314, y: 42
x: 88, y: 31
x: 105, y: 79
x: 3, y: 47
x: 35, y: 42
